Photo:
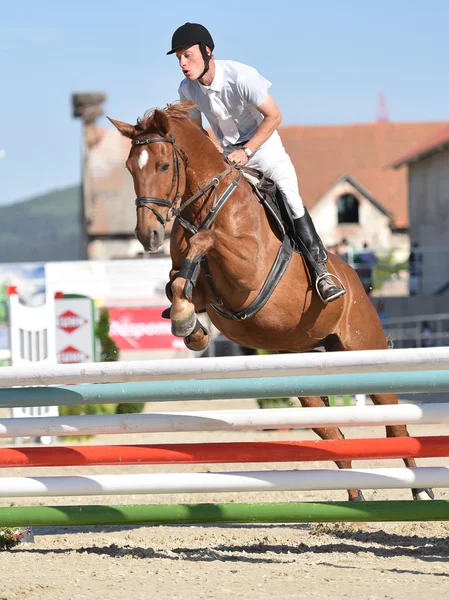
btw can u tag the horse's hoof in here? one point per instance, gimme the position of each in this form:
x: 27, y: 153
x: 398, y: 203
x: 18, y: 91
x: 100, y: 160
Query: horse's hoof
x: 359, y: 498
x: 423, y: 494
x: 183, y: 327
x: 197, y: 345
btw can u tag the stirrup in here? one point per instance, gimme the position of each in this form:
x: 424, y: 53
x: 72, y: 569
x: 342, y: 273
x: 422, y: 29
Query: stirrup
x: 341, y: 292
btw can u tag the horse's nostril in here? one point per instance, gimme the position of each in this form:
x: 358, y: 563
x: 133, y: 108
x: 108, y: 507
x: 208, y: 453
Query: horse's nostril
x: 151, y: 238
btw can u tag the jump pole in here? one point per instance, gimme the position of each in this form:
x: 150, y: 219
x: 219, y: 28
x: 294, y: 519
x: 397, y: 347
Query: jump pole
x: 227, y: 389
x: 227, y: 420
x: 232, y: 481
x: 183, y: 514
x: 319, y: 363
x: 226, y: 452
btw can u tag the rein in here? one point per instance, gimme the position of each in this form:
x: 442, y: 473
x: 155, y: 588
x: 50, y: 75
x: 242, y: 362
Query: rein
x: 173, y: 210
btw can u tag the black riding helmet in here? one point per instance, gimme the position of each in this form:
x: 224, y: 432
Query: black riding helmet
x: 190, y: 34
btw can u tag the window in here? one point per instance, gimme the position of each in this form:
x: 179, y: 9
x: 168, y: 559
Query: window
x: 348, y: 209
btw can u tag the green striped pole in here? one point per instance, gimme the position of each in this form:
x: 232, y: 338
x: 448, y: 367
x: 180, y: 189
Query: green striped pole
x: 178, y: 514
x: 227, y: 389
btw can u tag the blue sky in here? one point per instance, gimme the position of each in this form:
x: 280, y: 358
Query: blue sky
x: 328, y: 62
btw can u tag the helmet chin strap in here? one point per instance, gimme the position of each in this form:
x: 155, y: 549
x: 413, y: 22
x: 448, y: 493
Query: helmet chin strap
x: 206, y: 58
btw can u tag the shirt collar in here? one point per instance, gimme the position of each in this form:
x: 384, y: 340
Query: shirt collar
x: 217, y: 83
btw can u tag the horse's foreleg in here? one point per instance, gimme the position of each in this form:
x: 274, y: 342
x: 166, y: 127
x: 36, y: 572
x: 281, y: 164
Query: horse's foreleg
x: 184, y: 321
x: 331, y: 433
x: 199, y: 339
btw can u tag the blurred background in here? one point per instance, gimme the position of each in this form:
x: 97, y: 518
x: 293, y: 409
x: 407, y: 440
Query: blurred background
x: 364, y: 99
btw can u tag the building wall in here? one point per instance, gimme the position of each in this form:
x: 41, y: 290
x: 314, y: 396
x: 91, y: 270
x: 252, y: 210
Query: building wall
x: 429, y: 217
x: 105, y: 249
x: 373, y: 227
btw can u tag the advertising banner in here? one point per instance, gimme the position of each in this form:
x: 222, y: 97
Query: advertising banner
x: 142, y: 328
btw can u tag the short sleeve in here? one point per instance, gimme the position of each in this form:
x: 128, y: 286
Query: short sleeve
x: 184, y: 94
x: 253, y: 87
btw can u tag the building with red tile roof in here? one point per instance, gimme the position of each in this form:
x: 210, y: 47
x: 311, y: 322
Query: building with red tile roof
x: 322, y: 154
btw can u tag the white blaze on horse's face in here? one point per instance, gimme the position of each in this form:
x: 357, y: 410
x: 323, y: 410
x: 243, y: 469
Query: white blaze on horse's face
x: 143, y: 159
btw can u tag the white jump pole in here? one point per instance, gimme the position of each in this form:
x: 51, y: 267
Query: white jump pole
x: 320, y: 363
x: 245, y: 481
x: 228, y: 420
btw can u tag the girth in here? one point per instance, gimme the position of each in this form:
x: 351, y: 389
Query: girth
x: 274, y: 276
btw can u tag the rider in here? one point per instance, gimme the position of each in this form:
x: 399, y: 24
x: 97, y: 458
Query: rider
x: 244, y: 117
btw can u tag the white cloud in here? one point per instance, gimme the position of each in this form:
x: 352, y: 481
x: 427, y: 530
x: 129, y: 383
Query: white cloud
x: 2, y: 153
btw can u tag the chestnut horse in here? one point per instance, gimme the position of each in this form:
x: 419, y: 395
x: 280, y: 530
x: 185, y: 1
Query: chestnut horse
x: 223, y: 246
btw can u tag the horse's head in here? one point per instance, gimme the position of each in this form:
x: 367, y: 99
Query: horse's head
x: 157, y: 166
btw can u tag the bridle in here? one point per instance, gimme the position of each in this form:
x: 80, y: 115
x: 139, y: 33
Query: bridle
x: 173, y: 209
x: 147, y: 201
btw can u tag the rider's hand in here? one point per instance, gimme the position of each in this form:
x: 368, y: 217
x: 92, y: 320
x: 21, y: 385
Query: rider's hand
x: 238, y: 157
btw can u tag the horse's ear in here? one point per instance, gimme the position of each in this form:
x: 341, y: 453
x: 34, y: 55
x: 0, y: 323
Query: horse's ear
x: 125, y: 129
x: 160, y: 122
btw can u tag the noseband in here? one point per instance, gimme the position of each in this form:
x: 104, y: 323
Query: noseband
x: 147, y: 201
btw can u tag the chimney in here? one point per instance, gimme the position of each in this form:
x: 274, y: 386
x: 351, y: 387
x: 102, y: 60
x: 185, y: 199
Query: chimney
x: 89, y: 107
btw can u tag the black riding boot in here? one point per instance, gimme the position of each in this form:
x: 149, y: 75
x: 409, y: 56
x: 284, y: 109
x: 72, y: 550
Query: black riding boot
x: 316, y: 257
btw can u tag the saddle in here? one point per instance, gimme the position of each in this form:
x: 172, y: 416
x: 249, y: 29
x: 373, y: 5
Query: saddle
x: 275, y: 203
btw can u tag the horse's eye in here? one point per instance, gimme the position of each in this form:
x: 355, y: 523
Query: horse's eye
x: 164, y: 167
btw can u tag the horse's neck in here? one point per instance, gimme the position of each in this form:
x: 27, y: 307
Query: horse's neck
x: 205, y: 164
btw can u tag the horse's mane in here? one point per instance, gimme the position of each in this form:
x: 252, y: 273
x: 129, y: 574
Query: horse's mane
x: 178, y: 110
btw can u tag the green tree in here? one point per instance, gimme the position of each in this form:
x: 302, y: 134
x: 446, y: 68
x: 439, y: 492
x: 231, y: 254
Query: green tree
x: 109, y: 349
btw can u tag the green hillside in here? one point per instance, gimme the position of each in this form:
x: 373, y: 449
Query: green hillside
x: 43, y: 228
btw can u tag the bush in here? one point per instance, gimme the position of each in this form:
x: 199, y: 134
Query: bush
x: 132, y: 407
x: 86, y: 409
x: 385, y: 269
x: 274, y: 403
x: 109, y: 349
x: 9, y: 537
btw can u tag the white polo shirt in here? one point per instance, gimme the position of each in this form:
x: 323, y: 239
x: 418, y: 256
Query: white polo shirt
x: 230, y: 102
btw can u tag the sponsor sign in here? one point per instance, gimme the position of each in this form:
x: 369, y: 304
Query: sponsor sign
x: 69, y: 321
x: 75, y: 342
x: 70, y: 354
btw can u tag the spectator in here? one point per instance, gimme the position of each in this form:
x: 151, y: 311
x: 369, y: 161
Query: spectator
x: 367, y: 262
x: 427, y: 339
x: 415, y: 269
x: 380, y: 309
x: 345, y: 251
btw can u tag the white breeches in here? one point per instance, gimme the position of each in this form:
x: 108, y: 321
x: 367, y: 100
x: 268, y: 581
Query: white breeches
x: 272, y: 159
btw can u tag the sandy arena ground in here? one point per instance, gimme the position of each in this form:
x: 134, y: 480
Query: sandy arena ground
x: 368, y: 561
